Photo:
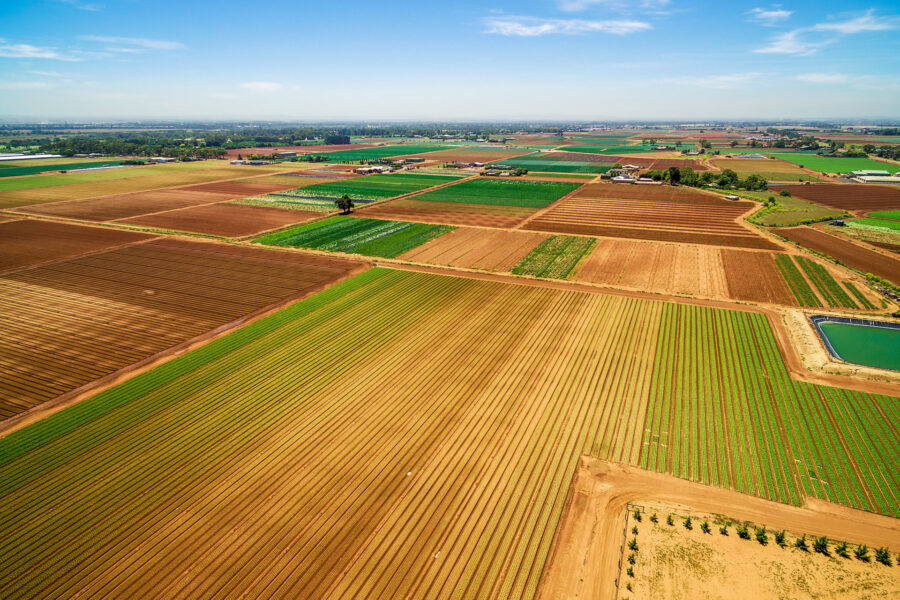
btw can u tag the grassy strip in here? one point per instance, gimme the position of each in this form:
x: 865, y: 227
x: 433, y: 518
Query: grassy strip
x: 59, y: 424
x: 880, y: 223
x: 555, y: 257
x: 370, y: 237
x: 7, y: 170
x: 859, y: 295
x: 502, y: 192
x: 885, y: 214
x: 804, y: 294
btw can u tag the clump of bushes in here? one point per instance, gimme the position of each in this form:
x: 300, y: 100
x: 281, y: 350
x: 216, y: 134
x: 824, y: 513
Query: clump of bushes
x: 780, y: 538
x: 637, y: 515
x: 883, y: 556
x: 762, y: 536
x: 820, y: 545
x: 743, y: 532
x: 704, y: 527
x: 862, y: 553
x: 688, y: 524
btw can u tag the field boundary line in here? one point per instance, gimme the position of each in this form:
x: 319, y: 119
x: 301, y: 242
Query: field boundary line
x: 547, y: 208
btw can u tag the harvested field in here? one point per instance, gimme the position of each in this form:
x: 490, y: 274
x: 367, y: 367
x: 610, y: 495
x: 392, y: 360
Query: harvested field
x: 123, y: 206
x: 683, y: 217
x: 656, y: 267
x: 450, y: 213
x: 27, y: 242
x: 147, y: 180
x: 853, y: 255
x: 225, y: 219
x: 262, y: 466
x: 857, y: 197
x: 300, y: 150
x: 755, y: 277
x: 470, y: 248
x: 68, y: 323
x: 239, y: 189
x: 555, y: 257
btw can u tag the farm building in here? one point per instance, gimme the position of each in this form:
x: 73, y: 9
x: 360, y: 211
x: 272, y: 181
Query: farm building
x: 285, y: 154
x: 878, y: 179
x: 367, y: 170
x: 624, y: 179
x: 161, y: 159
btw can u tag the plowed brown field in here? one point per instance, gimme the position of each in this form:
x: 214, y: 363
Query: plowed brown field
x: 239, y: 189
x: 859, y: 197
x: 754, y: 276
x: 853, y: 255
x: 449, y: 213
x: 66, y: 324
x: 694, y: 219
x: 26, y: 242
x: 656, y: 267
x: 477, y: 248
x: 229, y: 220
x: 123, y: 206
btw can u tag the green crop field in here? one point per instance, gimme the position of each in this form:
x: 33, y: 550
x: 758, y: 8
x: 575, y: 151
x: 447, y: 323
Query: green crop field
x: 886, y: 214
x: 380, y: 152
x: 826, y: 164
x: 830, y: 290
x: 860, y: 297
x: 370, y: 237
x: 555, y: 257
x: 724, y: 411
x: 795, y: 280
x: 544, y: 161
x: 320, y: 205
x: 502, y: 192
x: 881, y: 223
x: 9, y: 169
x: 375, y: 187
x: 340, y: 446
x: 610, y: 149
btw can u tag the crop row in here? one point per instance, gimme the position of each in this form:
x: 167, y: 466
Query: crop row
x: 502, y: 192
x: 828, y: 288
x: 860, y: 297
x: 725, y: 411
x: 555, y: 257
x: 370, y: 237
x: 795, y: 280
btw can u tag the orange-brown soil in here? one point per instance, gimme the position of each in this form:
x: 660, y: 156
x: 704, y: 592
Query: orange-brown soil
x: 488, y: 249
x: 225, y: 219
x: 449, y: 213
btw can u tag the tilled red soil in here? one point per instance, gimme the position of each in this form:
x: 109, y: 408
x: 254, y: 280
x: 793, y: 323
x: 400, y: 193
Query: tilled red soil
x: 229, y: 220
x: 27, y: 242
x: 853, y: 255
x: 240, y: 189
x: 122, y: 206
x: 851, y: 196
x: 754, y: 276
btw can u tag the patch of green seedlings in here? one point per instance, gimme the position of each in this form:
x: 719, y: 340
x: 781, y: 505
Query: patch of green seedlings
x: 781, y: 538
x: 637, y: 515
x: 632, y: 558
x: 801, y: 543
x: 688, y: 524
x: 723, y: 529
x: 654, y: 518
x: 704, y: 527
x: 762, y: 536
x: 842, y: 550
x: 634, y: 530
x: 743, y: 531
x: 862, y: 553
x: 883, y: 556
x: 820, y: 545
x: 632, y: 544
x: 669, y: 521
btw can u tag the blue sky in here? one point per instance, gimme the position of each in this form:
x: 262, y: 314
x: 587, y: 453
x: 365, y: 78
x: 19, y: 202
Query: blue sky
x: 547, y: 59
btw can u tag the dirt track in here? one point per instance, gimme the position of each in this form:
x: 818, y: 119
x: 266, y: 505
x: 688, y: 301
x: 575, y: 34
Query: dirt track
x: 584, y: 559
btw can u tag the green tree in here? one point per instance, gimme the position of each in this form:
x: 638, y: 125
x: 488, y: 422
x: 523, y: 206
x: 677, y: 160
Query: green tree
x: 673, y: 175
x: 344, y: 204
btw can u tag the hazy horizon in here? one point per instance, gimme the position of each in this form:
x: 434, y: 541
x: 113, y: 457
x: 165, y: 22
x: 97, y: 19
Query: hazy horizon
x: 562, y: 60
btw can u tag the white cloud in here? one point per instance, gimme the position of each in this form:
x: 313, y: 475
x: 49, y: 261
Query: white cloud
x: 807, y: 40
x: 135, y: 42
x: 24, y: 85
x: 718, y: 82
x: 29, y: 51
x: 262, y: 86
x: 867, y: 22
x: 533, y: 26
x: 82, y: 6
x: 770, y: 17
x: 46, y: 73
x: 617, y: 5
x: 822, y: 78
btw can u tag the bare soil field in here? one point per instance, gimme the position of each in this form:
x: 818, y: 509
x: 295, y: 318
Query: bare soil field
x: 300, y: 150
x: 855, y: 197
x: 448, y: 213
x: 68, y: 323
x: 646, y: 162
x: 26, y: 242
x: 754, y: 276
x: 94, y: 189
x: 697, y: 219
x: 655, y: 192
x: 851, y: 254
x: 469, y: 155
x: 584, y: 562
x: 225, y: 219
x: 487, y: 249
x: 123, y: 206
x: 676, y: 563
x: 239, y: 189
x: 656, y: 267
